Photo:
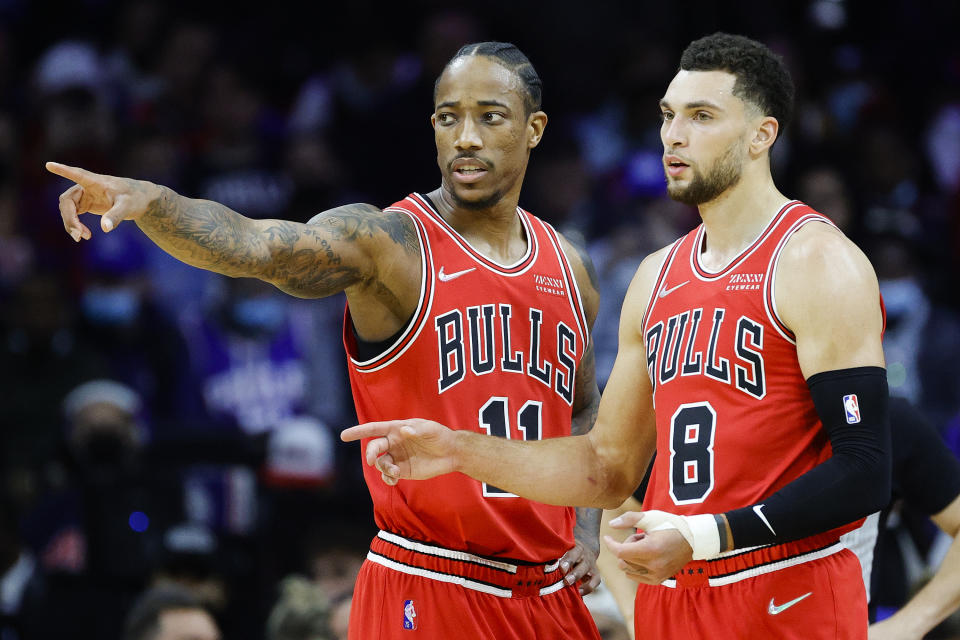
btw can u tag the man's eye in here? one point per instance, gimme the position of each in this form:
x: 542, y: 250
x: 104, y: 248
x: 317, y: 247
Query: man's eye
x: 666, y: 115
x: 492, y: 116
x: 445, y: 118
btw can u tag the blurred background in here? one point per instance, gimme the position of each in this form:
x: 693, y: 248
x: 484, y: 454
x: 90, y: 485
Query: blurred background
x: 159, y: 424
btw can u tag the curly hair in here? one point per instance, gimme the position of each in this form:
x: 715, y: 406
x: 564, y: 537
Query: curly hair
x: 510, y: 57
x: 762, y: 76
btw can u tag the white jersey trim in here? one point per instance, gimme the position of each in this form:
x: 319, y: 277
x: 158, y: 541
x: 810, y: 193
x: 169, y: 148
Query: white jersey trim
x: 424, y: 303
x: 712, y: 275
x: 572, y: 287
x: 770, y: 299
x: 469, y: 249
x: 664, y: 269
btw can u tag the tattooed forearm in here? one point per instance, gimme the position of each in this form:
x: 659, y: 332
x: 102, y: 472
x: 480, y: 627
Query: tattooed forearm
x: 335, y: 251
x: 205, y: 234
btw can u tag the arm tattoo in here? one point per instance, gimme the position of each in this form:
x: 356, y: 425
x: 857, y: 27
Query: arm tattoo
x: 313, y: 260
x: 588, y: 265
x: 586, y: 405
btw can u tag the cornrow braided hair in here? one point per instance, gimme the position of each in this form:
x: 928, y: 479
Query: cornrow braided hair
x: 510, y: 57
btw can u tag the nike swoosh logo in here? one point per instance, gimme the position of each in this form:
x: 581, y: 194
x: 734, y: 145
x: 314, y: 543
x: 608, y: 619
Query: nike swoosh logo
x: 760, y: 515
x: 774, y: 609
x: 665, y: 292
x: 447, y: 277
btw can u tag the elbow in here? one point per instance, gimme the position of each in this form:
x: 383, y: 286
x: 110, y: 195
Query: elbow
x: 615, y: 493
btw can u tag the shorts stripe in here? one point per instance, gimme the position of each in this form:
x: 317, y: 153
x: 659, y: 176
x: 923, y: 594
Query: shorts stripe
x: 487, y: 575
x: 770, y: 567
x: 443, y: 552
x: 436, y: 575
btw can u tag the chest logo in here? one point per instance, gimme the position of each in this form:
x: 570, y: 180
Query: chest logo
x: 745, y: 282
x: 664, y: 292
x: 447, y: 277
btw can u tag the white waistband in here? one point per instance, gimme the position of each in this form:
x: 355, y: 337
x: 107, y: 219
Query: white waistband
x: 766, y: 568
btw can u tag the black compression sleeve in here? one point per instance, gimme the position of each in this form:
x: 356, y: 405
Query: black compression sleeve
x: 852, y: 483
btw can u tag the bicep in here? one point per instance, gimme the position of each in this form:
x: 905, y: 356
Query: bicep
x: 625, y: 432
x: 336, y: 250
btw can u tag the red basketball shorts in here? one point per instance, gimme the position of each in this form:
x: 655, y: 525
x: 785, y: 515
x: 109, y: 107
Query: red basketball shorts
x: 408, y: 590
x: 817, y: 595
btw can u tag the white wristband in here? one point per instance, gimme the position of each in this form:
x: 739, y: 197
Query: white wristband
x: 700, y: 531
x: 705, y: 534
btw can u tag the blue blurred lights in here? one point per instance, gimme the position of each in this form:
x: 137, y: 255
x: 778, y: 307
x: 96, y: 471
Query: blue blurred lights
x: 139, y: 521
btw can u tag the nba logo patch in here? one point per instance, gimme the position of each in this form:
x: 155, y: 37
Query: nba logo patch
x: 409, y: 615
x: 852, y: 408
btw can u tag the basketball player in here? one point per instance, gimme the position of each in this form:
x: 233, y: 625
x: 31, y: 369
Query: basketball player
x: 461, y: 307
x: 757, y: 338
x: 925, y: 476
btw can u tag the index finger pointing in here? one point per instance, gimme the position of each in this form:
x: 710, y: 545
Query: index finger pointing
x: 76, y: 174
x: 370, y: 430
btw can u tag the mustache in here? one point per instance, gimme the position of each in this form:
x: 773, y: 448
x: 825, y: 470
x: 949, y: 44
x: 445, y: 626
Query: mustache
x: 469, y: 154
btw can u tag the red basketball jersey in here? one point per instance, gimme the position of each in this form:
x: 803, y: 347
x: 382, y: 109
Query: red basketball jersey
x: 735, y: 419
x: 492, y: 349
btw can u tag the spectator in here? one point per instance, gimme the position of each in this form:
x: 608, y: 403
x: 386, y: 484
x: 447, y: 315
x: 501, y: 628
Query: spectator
x: 169, y: 613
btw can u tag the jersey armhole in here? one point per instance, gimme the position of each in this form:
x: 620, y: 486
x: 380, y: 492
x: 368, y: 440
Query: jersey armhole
x: 770, y: 286
x: 414, y: 326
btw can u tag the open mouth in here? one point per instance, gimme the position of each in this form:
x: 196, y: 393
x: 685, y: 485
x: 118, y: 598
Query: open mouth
x: 468, y: 169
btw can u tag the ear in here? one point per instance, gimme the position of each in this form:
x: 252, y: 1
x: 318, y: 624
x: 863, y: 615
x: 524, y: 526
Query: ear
x: 536, y: 123
x: 764, y: 135
x: 433, y: 120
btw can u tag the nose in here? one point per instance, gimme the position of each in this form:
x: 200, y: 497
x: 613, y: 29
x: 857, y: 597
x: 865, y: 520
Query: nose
x: 468, y: 135
x: 673, y: 133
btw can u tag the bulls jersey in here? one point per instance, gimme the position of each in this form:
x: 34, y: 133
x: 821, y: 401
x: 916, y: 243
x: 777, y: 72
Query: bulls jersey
x: 735, y: 418
x: 491, y: 348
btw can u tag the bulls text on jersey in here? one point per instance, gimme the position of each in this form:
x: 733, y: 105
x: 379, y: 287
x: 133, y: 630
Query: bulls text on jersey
x: 485, y: 343
x: 671, y: 351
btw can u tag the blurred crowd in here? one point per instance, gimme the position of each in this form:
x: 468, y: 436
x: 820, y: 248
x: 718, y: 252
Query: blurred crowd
x: 164, y: 428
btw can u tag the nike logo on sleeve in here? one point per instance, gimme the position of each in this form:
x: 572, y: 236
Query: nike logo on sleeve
x: 757, y: 510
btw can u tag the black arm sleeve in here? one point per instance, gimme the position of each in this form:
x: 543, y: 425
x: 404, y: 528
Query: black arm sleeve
x: 853, y: 483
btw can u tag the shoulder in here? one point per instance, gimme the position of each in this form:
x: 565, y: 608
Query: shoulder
x: 361, y: 222
x: 827, y: 294
x: 820, y: 265
x: 641, y: 289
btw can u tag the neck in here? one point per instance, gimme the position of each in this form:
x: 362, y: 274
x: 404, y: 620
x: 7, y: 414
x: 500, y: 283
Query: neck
x: 495, y: 231
x: 737, y: 216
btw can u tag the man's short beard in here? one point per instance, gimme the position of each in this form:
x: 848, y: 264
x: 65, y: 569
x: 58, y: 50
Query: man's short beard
x: 476, y: 205
x: 724, y: 174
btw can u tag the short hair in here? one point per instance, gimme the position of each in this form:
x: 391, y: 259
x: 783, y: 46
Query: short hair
x: 510, y: 57
x: 761, y: 75
x: 143, y: 620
